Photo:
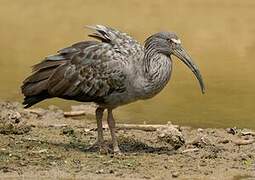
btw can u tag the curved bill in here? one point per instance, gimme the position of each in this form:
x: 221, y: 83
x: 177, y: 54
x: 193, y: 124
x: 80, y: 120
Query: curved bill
x: 184, y: 56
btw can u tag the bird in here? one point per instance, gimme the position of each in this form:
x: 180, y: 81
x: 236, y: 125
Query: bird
x: 111, y: 70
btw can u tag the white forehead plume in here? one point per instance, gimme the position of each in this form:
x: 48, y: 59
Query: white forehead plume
x: 177, y: 41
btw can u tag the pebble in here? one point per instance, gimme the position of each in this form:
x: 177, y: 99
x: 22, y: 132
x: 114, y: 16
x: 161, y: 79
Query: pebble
x: 202, y: 163
x: 200, y: 130
x: 224, y: 141
x: 99, y: 171
x: 175, y: 174
x: 118, y: 174
x: 232, y: 130
x: 111, y: 171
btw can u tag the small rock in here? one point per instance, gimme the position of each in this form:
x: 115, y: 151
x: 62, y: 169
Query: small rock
x: 53, y: 163
x: 200, y: 130
x: 175, y: 174
x: 119, y: 174
x: 202, y: 163
x: 200, y: 141
x: 68, y: 131
x: 244, y: 157
x: 15, y: 115
x: 232, y: 130
x: 211, y: 131
x: 5, y: 169
x: 171, y: 135
x: 250, y: 155
x: 206, y: 140
x: 224, y: 141
x: 207, y: 173
x: 246, y: 138
x: 146, y: 177
x: 183, y: 128
x: 101, y: 171
x: 23, y: 163
x: 111, y: 171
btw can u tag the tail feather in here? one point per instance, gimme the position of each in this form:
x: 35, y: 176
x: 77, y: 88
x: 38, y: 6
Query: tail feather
x: 31, y: 100
x: 47, y: 78
x: 35, y: 87
x: 39, y: 76
x: 32, y: 89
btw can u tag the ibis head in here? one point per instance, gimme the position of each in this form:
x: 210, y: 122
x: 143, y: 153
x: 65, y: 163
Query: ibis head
x: 169, y: 44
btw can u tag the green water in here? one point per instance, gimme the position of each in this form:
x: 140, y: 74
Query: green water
x: 219, y: 35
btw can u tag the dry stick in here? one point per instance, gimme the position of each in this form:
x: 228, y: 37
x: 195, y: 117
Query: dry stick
x: 144, y: 127
x: 248, y: 133
x: 243, y: 142
x: 190, y: 150
x: 124, y: 126
x: 60, y: 126
x: 74, y: 113
x: 34, y: 111
x: 66, y: 114
x: 57, y: 125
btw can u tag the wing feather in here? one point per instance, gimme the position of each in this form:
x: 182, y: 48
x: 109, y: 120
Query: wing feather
x: 84, y: 71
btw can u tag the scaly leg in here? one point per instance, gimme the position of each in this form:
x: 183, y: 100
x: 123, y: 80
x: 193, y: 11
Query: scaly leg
x: 99, y: 118
x: 111, y: 124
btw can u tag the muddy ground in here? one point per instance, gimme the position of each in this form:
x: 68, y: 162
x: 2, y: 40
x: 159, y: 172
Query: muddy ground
x: 43, y: 144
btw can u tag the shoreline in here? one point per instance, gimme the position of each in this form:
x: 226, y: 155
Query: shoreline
x: 45, y: 143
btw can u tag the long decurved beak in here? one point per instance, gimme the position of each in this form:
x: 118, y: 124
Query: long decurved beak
x: 184, y: 57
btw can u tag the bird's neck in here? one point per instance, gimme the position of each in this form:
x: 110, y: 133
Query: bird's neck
x: 157, y: 68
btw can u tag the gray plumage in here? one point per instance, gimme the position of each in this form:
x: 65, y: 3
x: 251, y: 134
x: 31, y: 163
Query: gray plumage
x: 113, y: 71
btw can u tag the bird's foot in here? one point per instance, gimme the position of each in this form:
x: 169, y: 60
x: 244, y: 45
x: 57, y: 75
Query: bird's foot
x: 101, y: 147
x: 104, y: 148
x: 117, y: 151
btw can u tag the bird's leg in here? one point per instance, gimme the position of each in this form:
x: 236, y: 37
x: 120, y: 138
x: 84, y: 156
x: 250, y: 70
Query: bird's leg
x: 111, y: 124
x: 99, y: 118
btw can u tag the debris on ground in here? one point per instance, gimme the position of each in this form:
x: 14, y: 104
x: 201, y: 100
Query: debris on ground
x: 44, y: 143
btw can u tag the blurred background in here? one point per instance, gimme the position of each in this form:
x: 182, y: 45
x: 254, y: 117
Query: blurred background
x: 218, y: 34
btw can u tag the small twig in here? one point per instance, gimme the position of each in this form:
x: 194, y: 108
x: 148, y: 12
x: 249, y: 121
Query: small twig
x: 58, y: 125
x: 35, y: 111
x: 143, y: 127
x: 123, y: 126
x: 243, y: 142
x: 74, y: 113
x: 248, y: 133
x: 29, y: 139
x: 190, y: 150
x: 40, y: 151
x: 223, y: 141
x: 194, y: 141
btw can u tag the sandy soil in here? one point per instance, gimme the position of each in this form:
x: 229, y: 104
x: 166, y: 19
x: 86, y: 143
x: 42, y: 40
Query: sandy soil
x: 43, y: 144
